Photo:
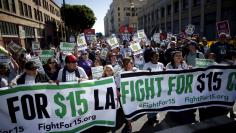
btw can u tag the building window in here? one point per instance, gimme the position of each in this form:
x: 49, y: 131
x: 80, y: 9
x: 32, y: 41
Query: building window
x: 185, y: 4
x: 127, y: 14
x: 6, y: 5
x: 196, y: 3
x: 26, y: 13
x: 30, y: 11
x: 35, y: 14
x: 133, y: 14
x: 12, y: 5
x: 21, y: 8
x: 29, y: 31
x: 118, y: 14
x: 0, y: 3
x: 168, y: 9
x: 128, y: 8
x: 8, y: 28
x: 176, y: 7
x: 157, y: 14
x: 162, y: 12
x: 118, y: 19
x: 41, y: 16
x: 118, y: 8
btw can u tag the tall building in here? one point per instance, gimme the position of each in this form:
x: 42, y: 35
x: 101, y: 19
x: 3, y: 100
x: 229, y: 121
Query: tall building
x: 122, y: 13
x: 174, y: 15
x: 27, y: 21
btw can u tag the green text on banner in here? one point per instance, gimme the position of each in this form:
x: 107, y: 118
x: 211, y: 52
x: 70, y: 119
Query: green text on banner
x: 177, y: 90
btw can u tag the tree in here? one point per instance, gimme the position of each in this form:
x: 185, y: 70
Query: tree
x: 77, y: 17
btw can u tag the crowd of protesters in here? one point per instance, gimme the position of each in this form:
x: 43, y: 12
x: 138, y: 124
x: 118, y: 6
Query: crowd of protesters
x: 179, y: 54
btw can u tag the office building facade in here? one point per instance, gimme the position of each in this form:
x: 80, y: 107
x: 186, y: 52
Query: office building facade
x: 174, y: 15
x: 28, y: 21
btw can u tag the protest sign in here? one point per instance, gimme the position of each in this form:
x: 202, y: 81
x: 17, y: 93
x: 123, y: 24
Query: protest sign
x: 69, y: 107
x: 3, y: 51
x: 45, y: 55
x: 112, y: 41
x: 141, y: 34
x: 97, y: 72
x: 136, y: 48
x: 36, y: 47
x: 223, y: 27
x: 38, y: 63
x: 174, y: 90
x: 4, y: 58
x: 203, y: 63
x: 67, y: 47
x: 190, y: 29
x: 14, y: 47
x: 81, y: 43
x: 156, y: 37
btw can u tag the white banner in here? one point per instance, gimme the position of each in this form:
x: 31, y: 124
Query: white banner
x: 69, y: 107
x: 81, y: 42
x: 174, y: 90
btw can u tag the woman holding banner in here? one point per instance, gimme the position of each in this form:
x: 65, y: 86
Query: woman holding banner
x: 128, y: 66
x: 181, y: 117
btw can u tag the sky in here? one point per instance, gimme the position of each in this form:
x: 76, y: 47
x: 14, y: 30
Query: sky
x: 99, y: 8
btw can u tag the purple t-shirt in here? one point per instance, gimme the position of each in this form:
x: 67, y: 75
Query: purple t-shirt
x: 86, y: 65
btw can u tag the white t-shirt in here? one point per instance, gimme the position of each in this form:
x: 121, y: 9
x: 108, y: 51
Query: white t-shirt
x: 29, y: 79
x: 70, y: 77
x: 154, y: 67
x: 182, y: 66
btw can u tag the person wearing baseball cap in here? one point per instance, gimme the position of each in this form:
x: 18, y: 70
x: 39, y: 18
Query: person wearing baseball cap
x: 221, y: 48
x: 32, y: 75
x: 193, y: 54
x: 71, y: 72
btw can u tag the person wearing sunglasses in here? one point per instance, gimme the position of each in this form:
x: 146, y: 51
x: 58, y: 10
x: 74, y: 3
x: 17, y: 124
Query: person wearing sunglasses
x: 32, y: 75
x: 52, y: 68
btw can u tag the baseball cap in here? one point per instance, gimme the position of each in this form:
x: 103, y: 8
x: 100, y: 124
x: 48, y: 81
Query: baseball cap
x: 70, y: 59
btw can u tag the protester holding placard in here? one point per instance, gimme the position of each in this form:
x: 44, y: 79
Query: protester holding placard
x: 32, y: 76
x: 9, y: 71
x: 193, y: 54
x: 169, y: 50
x: 71, y: 72
x: 52, y: 68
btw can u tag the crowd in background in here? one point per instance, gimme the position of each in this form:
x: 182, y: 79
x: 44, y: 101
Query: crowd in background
x: 179, y: 54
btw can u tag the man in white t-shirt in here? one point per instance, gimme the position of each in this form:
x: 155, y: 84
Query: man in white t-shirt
x: 32, y: 75
x: 153, y: 65
x: 71, y: 72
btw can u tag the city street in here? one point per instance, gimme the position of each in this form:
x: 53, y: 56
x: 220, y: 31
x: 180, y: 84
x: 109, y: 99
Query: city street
x: 140, y: 125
